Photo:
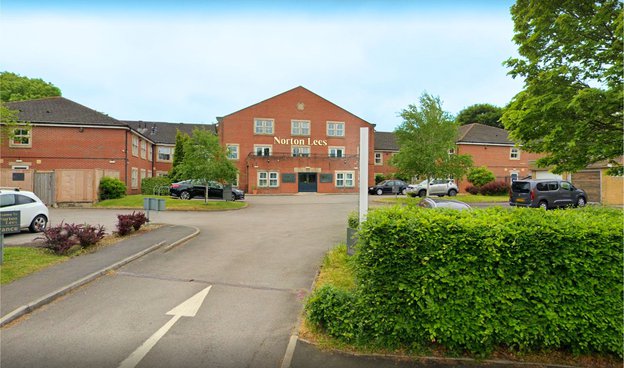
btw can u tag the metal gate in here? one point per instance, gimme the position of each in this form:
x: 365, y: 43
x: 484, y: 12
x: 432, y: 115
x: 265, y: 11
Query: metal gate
x: 307, y: 182
x: 44, y: 187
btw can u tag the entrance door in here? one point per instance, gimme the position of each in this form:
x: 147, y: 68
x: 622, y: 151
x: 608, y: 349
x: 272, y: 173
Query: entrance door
x: 307, y: 182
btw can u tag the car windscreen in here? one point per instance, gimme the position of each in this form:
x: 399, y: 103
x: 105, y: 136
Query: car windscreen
x: 521, y: 187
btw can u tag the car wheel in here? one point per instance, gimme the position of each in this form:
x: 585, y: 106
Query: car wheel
x: 379, y: 192
x: 580, y: 202
x: 38, y: 224
x: 452, y: 192
x: 422, y: 193
x: 543, y: 204
x: 404, y: 191
x: 185, y: 195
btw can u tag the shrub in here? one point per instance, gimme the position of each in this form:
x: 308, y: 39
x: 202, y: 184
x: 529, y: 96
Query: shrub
x: 478, y: 280
x: 494, y: 188
x: 479, y: 176
x: 353, y: 220
x: 472, y: 189
x: 379, y: 178
x: 111, y: 188
x: 59, y: 239
x: 149, y: 184
x: 125, y: 224
x: 89, y: 235
x: 138, y: 220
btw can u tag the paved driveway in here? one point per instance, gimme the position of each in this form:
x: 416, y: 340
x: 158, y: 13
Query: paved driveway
x: 259, y: 264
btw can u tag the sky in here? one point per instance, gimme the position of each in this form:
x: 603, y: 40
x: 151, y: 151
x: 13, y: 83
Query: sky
x: 192, y: 61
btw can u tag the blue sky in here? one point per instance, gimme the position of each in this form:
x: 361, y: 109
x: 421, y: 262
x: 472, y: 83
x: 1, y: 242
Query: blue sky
x: 191, y: 61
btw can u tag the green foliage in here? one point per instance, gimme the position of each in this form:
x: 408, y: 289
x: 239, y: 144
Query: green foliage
x: 18, y: 88
x: 572, y: 65
x: 9, y: 119
x: 485, y: 114
x: 425, y: 138
x: 111, y: 188
x: 379, y: 178
x: 353, y: 220
x: 526, y: 279
x: 178, y: 156
x: 206, y: 160
x: 479, y: 176
x: 148, y: 184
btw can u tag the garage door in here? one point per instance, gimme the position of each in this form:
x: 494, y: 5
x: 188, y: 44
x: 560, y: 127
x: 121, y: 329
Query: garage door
x: 589, y: 181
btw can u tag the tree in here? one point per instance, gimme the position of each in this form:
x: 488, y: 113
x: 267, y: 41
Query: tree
x: 425, y: 139
x: 18, y: 88
x: 178, y: 156
x: 206, y: 160
x: 573, y: 97
x: 9, y: 120
x: 479, y: 176
x: 485, y: 114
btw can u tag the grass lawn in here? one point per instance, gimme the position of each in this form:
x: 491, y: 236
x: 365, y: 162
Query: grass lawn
x: 22, y: 261
x: 467, y: 198
x: 136, y: 202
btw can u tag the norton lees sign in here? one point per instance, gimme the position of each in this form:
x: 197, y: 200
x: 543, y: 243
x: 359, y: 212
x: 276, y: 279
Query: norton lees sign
x: 300, y: 141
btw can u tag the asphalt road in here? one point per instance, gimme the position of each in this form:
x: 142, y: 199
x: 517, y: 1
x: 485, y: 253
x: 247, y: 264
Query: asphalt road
x: 259, y: 264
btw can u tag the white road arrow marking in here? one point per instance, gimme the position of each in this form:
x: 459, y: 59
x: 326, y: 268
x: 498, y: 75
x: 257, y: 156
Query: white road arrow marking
x: 187, y: 308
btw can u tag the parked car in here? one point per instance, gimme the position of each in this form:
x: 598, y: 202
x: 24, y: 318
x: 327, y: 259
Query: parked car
x: 33, y: 212
x: 441, y: 203
x: 188, y: 189
x: 389, y: 186
x: 546, y: 193
x: 439, y: 187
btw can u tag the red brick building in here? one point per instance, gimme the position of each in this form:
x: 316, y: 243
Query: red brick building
x: 296, y: 142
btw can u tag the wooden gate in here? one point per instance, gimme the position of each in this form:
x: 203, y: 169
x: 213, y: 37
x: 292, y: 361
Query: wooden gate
x: 44, y: 187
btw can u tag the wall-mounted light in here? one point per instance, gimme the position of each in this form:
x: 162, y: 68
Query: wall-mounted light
x: 111, y: 161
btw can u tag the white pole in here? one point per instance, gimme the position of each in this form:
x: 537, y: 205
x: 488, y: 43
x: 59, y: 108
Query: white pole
x: 363, y: 173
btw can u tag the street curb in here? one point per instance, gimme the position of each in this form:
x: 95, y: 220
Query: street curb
x: 32, y: 306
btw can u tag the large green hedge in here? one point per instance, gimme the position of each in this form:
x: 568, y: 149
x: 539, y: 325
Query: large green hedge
x: 148, y: 184
x: 477, y: 280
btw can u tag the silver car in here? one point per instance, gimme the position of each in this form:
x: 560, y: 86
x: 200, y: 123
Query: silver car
x: 439, y: 187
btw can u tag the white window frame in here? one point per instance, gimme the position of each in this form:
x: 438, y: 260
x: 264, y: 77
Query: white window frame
x: 21, y: 134
x: 297, y: 127
x: 135, y: 146
x: 143, y: 175
x: 263, y: 126
x: 170, y: 153
x: 235, y: 182
x: 135, y: 178
x: 378, y: 158
x: 269, y: 146
x: 344, y: 179
x: 333, y: 130
x: 150, y: 152
x: 297, y: 149
x: 232, y: 151
x: 336, y: 148
x: 268, y: 179
x: 143, y: 149
x: 514, y: 153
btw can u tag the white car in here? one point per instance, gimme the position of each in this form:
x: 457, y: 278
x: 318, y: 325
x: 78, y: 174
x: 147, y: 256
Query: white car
x: 439, y: 187
x: 33, y: 212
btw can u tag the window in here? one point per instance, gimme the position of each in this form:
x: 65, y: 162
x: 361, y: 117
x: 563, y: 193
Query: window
x: 21, y: 138
x: 344, y: 179
x: 263, y: 126
x: 263, y: 150
x: 301, y: 151
x: 514, y: 153
x: 143, y: 174
x: 514, y: 176
x: 235, y: 182
x: 565, y: 185
x: 149, y: 173
x: 135, y: 178
x: 232, y: 151
x: 143, y: 149
x: 335, y: 129
x: 300, y: 127
x: 268, y: 179
x: 165, y: 153
x: 336, y: 151
x: 149, y: 152
x: 135, y: 145
x: 378, y: 158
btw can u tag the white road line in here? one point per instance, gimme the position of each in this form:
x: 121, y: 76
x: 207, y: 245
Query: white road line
x: 187, y: 308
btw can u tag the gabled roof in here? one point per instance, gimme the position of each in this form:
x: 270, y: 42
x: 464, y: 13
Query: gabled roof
x: 165, y: 133
x: 385, y: 141
x: 483, y: 134
x: 301, y: 88
x: 59, y: 110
